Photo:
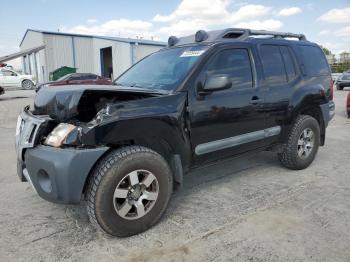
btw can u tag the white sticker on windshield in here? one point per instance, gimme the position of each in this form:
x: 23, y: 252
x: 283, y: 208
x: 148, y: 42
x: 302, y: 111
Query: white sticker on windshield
x: 192, y: 53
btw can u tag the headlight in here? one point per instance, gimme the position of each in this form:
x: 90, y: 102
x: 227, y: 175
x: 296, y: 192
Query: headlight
x: 59, y: 134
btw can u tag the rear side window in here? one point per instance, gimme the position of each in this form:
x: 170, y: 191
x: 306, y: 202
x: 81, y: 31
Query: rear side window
x: 274, y: 70
x: 314, y: 61
x: 288, y: 62
x: 236, y: 64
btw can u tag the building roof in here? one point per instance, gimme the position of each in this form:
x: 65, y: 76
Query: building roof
x: 117, y: 39
x: 20, y: 53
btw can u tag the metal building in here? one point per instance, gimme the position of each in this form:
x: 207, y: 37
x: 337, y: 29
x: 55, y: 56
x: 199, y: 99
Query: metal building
x: 105, y: 56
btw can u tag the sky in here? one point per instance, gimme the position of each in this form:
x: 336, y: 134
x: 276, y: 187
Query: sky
x: 324, y: 22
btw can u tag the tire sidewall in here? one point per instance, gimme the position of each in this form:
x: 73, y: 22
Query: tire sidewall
x: 106, y: 215
x: 314, y: 126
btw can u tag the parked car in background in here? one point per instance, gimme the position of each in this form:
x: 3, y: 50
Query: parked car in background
x: 343, y: 81
x: 335, y: 76
x: 11, y: 78
x: 77, y: 79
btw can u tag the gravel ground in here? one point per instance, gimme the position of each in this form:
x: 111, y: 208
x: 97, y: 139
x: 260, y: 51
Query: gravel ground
x: 248, y: 208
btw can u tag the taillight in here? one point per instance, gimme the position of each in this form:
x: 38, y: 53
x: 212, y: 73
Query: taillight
x: 348, y: 101
x: 331, y: 91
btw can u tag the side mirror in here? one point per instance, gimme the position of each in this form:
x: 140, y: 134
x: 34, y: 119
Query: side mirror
x: 216, y: 83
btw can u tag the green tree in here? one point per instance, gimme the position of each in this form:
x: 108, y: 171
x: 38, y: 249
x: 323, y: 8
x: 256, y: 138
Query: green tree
x: 326, y: 51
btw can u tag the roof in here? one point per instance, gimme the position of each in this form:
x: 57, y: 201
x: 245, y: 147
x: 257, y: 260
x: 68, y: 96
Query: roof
x: 229, y: 34
x: 20, y: 53
x: 117, y: 39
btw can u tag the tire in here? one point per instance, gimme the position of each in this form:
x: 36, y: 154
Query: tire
x: 114, y: 173
x: 339, y: 87
x: 292, y: 155
x: 27, y: 84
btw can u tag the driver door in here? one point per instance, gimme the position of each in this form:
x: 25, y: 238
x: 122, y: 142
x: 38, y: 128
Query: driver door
x: 231, y: 121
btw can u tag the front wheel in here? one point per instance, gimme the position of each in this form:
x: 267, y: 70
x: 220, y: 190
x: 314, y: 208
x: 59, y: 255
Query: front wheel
x: 129, y: 191
x: 302, y: 143
x: 27, y: 84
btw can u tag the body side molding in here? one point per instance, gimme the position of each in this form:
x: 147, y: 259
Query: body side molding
x: 236, y: 140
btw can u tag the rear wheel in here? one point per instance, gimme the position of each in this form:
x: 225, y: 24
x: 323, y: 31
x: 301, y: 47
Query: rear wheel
x: 302, y: 143
x: 27, y: 84
x: 129, y: 191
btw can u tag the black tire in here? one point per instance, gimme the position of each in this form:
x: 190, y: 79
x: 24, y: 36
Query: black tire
x: 338, y: 87
x: 289, y: 156
x: 27, y: 84
x: 108, y: 174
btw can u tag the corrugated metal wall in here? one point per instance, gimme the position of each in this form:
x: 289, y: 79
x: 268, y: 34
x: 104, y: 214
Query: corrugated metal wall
x: 34, y: 63
x: 59, y: 50
x: 84, y: 59
x: 140, y: 51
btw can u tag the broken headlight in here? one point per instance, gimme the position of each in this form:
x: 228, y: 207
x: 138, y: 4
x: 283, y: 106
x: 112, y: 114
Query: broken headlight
x: 59, y: 134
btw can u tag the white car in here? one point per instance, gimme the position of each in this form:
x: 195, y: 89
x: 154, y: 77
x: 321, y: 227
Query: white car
x: 11, y: 78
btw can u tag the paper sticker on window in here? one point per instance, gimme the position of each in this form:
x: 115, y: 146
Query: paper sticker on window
x: 192, y: 53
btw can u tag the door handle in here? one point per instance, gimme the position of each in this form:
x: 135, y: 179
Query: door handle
x: 255, y: 100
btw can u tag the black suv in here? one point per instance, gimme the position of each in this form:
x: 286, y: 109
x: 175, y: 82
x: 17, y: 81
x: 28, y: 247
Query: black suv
x: 204, y: 97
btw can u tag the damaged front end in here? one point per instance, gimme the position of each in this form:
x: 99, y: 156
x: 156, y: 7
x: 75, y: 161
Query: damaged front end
x: 56, y: 141
x: 74, y: 111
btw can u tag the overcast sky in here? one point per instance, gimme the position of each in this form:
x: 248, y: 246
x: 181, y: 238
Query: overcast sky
x: 325, y: 22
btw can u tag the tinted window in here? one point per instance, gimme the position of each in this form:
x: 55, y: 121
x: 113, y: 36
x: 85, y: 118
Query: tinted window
x: 273, y: 65
x: 88, y: 77
x: 235, y: 63
x: 288, y: 62
x: 314, y: 60
x: 75, y: 77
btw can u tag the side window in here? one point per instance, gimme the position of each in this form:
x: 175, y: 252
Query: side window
x: 8, y: 73
x: 288, y: 62
x: 314, y: 60
x: 89, y: 77
x: 75, y: 77
x: 273, y: 66
x: 235, y: 63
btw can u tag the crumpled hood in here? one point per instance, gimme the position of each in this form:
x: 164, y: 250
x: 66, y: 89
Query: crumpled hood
x: 83, y: 102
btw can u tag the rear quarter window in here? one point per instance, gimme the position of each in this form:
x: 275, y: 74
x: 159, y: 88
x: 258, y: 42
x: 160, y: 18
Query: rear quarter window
x: 314, y: 60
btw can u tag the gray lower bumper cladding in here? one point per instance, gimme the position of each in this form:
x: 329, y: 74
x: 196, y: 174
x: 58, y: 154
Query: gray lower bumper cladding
x: 59, y: 175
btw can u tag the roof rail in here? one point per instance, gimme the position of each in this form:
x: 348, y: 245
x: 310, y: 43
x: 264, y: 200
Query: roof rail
x: 277, y: 34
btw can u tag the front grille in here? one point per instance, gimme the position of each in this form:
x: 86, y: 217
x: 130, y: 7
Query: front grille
x: 27, y: 129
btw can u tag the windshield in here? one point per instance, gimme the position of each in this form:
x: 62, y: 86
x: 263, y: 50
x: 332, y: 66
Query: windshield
x: 163, y: 70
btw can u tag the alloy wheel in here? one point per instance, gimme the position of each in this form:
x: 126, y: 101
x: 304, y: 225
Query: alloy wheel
x: 136, y: 194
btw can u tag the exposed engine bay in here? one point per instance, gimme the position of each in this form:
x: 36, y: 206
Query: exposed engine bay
x: 72, y: 104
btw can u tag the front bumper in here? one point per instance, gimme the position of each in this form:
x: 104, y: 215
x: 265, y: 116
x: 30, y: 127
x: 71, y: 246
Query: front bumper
x: 58, y: 175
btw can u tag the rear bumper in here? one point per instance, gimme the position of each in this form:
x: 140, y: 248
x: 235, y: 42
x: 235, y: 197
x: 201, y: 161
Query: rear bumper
x: 328, y: 112
x: 58, y: 175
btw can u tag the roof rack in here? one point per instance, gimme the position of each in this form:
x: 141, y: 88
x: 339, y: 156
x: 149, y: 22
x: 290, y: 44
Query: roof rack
x: 230, y: 33
x: 277, y: 34
x: 239, y: 33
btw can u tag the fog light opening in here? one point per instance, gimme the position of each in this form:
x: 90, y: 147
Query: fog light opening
x: 44, y: 181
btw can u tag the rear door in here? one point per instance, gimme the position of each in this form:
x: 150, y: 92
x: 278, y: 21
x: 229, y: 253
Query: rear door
x: 230, y: 121
x: 281, y: 77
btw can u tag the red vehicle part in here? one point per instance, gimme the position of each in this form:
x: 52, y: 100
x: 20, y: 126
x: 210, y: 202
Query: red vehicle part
x: 348, y: 105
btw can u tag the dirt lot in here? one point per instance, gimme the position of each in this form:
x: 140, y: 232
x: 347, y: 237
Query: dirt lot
x: 243, y: 209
